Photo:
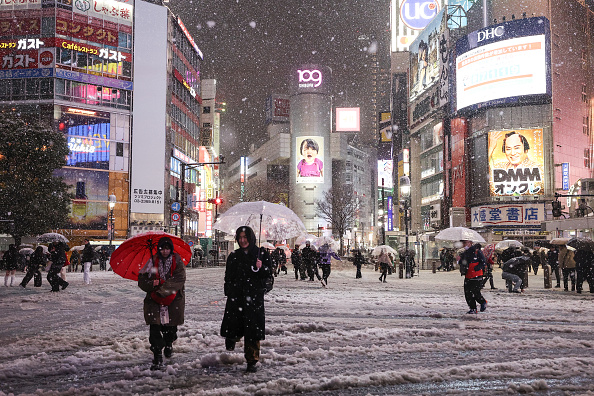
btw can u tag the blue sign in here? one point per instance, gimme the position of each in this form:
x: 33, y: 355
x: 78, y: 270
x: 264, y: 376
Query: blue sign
x: 565, y: 175
x: 190, y: 243
x: 26, y: 73
x: 92, y: 79
x: 416, y: 14
x: 176, y: 206
x: 390, y: 215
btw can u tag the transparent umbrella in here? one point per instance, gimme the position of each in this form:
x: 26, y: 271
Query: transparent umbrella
x: 301, y: 239
x: 378, y: 250
x: 268, y: 220
x: 508, y: 243
x: 50, y: 237
x: 459, y: 234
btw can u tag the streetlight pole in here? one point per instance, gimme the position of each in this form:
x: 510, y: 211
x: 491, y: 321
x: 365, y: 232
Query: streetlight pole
x: 383, y: 218
x: 112, y: 202
x: 405, y: 195
x: 182, y: 202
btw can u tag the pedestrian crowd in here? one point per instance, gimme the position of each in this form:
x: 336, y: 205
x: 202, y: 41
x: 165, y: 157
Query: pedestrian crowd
x: 57, y: 259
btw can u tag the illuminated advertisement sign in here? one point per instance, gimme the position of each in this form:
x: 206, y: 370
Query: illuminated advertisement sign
x: 565, y: 175
x: 118, y: 11
x: 310, y: 78
x: 347, y: 119
x: 181, y: 79
x: 502, y: 215
x: 502, y: 63
x: 425, y: 58
x: 385, y: 127
x: 190, y: 38
x: 19, y: 4
x: 516, y: 162
x: 310, y: 159
x: 19, y: 26
x: 416, y: 14
x: 384, y: 173
x: 390, y: 222
x: 87, y: 32
x: 277, y: 108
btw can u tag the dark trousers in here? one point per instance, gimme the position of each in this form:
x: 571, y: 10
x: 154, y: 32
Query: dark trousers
x: 296, y: 272
x: 302, y: 273
x: 569, y: 273
x: 161, y: 336
x: 312, y: 270
x: 325, y: 271
x: 54, y: 279
x: 358, y: 272
x: 29, y: 276
x: 251, y: 348
x: 488, y: 278
x: 472, y: 292
x: 384, y: 269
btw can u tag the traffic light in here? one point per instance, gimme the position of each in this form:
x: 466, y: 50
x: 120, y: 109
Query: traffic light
x: 556, y: 208
x: 215, y: 201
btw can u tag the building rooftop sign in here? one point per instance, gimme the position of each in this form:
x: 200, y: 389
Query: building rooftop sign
x: 189, y: 37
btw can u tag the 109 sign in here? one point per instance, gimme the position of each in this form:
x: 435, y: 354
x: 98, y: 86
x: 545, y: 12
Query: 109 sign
x: 309, y: 78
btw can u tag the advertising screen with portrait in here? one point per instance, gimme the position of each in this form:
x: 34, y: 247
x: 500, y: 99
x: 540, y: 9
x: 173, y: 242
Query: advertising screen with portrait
x: 516, y: 162
x: 310, y: 159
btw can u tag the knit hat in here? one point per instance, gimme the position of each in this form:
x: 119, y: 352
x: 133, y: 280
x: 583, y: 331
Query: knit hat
x: 165, y: 242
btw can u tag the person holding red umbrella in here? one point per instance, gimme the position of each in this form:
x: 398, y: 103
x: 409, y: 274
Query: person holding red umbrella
x: 163, y: 279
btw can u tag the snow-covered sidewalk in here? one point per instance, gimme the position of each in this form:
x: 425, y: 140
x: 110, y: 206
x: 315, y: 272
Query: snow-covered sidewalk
x: 356, y: 337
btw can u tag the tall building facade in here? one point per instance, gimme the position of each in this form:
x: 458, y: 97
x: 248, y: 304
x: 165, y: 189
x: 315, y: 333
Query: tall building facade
x: 506, y: 125
x: 168, y: 134
x: 69, y: 64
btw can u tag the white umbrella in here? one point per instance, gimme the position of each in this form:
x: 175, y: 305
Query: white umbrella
x: 459, y: 234
x: 326, y: 240
x: 267, y: 245
x: 79, y: 248
x: 301, y: 239
x: 378, y: 250
x: 270, y: 221
x: 26, y: 251
x: 559, y: 241
x: 285, y: 249
x: 50, y: 237
x: 508, y: 243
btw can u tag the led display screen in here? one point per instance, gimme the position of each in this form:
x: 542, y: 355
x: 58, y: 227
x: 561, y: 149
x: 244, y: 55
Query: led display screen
x: 310, y: 159
x: 502, y: 63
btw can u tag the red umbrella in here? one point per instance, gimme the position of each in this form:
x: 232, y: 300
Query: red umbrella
x: 129, y: 258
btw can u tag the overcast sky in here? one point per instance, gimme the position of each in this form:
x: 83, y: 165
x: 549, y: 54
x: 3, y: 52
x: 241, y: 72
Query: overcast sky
x: 250, y: 46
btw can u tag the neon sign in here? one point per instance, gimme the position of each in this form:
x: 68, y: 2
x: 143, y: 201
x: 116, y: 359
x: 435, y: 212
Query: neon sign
x: 190, y: 39
x: 309, y: 78
x: 80, y: 145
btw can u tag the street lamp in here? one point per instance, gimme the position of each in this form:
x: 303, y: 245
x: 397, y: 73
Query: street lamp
x: 112, y: 203
x: 405, y: 199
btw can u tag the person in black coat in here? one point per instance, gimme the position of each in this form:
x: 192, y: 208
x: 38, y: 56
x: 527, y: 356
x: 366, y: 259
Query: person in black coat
x: 553, y: 257
x: 58, y: 257
x: 296, y: 259
x: 358, y: 262
x: 584, y: 264
x: 88, y: 255
x: 38, y: 260
x: 247, y: 269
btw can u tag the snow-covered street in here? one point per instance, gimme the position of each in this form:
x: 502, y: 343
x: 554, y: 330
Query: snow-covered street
x: 357, y: 337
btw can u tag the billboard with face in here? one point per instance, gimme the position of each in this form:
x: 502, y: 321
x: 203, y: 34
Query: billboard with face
x: 310, y: 159
x: 516, y: 162
x: 502, y: 63
x: 424, y: 57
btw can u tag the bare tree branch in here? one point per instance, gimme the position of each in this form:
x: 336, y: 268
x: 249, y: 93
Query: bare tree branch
x: 340, y: 207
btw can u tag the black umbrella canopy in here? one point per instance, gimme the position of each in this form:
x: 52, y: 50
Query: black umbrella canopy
x: 580, y: 243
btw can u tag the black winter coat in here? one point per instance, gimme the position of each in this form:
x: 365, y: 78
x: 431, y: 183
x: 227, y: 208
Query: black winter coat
x: 244, y: 288
x: 11, y: 259
x: 296, y: 258
x: 88, y: 254
x: 36, y: 262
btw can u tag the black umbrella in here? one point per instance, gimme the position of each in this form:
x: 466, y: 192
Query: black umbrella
x: 579, y: 243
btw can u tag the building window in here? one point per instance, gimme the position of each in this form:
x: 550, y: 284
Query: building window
x: 586, y: 125
x: 206, y: 110
x: 587, y: 161
x: 584, y: 94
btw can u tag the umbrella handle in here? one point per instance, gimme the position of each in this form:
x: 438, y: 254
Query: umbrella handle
x: 260, y: 231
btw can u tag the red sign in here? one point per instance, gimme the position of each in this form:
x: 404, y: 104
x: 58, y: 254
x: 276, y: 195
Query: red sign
x: 46, y: 58
x: 19, y: 26
x: 86, y: 32
x: 20, y: 60
x: 175, y: 216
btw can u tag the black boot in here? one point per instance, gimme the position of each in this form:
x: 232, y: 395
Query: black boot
x: 157, y: 359
x: 168, y: 351
x: 229, y: 344
x: 251, y: 367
